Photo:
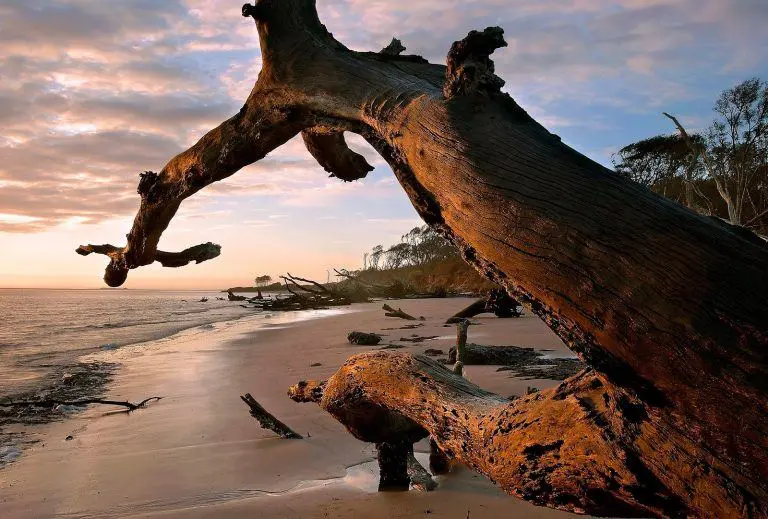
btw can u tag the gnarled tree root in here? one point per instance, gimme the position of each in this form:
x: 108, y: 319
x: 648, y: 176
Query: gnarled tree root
x: 584, y: 446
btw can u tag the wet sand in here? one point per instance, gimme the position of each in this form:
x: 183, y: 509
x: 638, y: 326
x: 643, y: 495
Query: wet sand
x: 198, y: 453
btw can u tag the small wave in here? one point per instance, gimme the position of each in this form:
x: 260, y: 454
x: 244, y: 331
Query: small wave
x: 9, y: 454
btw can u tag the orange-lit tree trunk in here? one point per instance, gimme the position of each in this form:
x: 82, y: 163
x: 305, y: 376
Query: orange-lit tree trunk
x: 669, y: 309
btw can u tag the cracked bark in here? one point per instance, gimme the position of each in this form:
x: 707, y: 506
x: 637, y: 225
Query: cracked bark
x: 669, y: 309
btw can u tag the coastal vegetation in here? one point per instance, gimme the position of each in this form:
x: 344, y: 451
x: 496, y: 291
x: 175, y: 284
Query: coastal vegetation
x: 721, y: 171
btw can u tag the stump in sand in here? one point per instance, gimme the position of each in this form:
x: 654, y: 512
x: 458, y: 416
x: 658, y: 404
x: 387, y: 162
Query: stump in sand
x: 669, y: 309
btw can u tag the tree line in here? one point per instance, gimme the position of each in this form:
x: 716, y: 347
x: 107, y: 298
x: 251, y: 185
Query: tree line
x: 418, y: 247
x: 720, y: 171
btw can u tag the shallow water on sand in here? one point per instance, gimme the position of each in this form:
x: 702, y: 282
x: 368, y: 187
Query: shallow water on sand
x: 44, y: 330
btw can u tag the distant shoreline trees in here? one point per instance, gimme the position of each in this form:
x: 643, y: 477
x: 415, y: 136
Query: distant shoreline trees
x: 419, y: 246
x: 262, y: 281
x: 722, y: 171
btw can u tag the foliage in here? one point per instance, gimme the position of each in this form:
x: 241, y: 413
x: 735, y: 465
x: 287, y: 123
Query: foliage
x: 420, y: 246
x: 722, y: 171
x: 264, y: 280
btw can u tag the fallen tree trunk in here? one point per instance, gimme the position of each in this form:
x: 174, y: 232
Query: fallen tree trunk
x: 670, y: 309
x: 585, y: 446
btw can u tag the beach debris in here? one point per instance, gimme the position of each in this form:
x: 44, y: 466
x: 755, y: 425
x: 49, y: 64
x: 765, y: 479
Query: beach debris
x: 406, y: 327
x: 232, y: 297
x: 478, y: 355
x: 364, y: 339
x: 50, y: 403
x: 204, y: 300
x: 315, y: 365
x: 417, y: 338
x: 267, y: 419
x: 525, y: 363
x: 433, y: 352
x: 397, y: 289
x: 476, y: 308
x: 294, y: 280
x: 548, y: 368
x: 69, y: 438
x: 305, y: 294
x: 392, y: 347
x: 391, y: 312
x: 498, y: 302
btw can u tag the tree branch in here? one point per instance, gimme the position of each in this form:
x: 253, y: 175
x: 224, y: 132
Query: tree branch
x: 267, y: 420
x: 330, y: 150
x: 391, y: 312
x: 722, y: 189
x: 198, y: 254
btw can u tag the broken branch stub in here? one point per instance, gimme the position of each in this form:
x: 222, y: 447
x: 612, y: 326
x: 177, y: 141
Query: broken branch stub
x: 470, y: 69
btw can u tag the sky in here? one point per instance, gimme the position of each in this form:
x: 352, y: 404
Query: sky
x: 93, y: 92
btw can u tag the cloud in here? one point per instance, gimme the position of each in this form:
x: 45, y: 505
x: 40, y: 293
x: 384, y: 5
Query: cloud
x: 92, y: 92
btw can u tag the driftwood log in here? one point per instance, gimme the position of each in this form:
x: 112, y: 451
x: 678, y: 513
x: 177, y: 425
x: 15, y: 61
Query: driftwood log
x: 471, y: 310
x: 670, y: 309
x: 399, y: 313
x: 498, y: 302
x: 482, y: 355
x: 363, y: 338
x: 232, y: 297
x: 579, y: 447
x: 267, y: 420
x: 129, y: 406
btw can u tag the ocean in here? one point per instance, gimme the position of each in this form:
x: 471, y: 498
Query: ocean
x: 44, y: 331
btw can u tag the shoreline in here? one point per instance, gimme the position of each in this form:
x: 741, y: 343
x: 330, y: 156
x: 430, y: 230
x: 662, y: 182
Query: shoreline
x: 92, y: 371
x: 198, y: 452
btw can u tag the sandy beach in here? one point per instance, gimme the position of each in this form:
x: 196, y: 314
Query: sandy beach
x: 198, y: 452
